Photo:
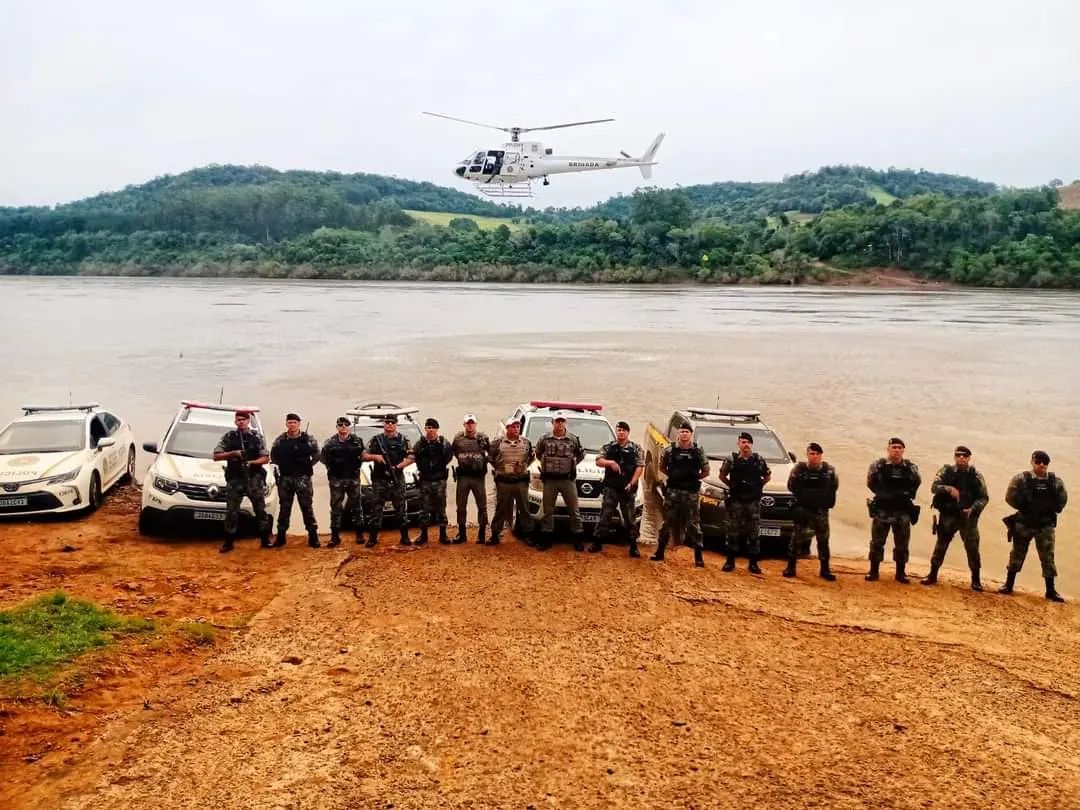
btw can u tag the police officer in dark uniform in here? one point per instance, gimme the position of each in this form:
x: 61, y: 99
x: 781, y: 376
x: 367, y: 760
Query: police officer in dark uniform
x: 959, y: 496
x: 295, y: 453
x: 244, y: 452
x: 623, y: 461
x: 1038, y: 496
x: 341, y: 455
x: 894, y: 481
x: 432, y: 455
x: 813, y: 483
x: 685, y: 464
x: 390, y: 452
x: 745, y: 474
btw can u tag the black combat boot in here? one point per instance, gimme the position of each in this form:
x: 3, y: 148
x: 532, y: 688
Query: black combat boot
x: 461, y: 536
x: 753, y: 567
x: 373, y: 538
x: 579, y: 544
x: 825, y: 573
x: 595, y: 546
x: 661, y: 547
x: 403, y: 534
x: 1010, y: 580
x: 543, y: 542
x: 264, y: 534
x: 873, y: 574
x: 901, y: 574
x: 480, y: 534
x: 279, y: 541
x: 729, y: 563
x: 313, y: 538
x: 423, y: 538
x: 792, y: 562
x: 976, y: 582
x: 633, y: 548
x: 227, y: 544
x: 931, y: 578
x: 699, y: 560
x: 335, y: 538
x: 1051, y: 593
x: 444, y: 538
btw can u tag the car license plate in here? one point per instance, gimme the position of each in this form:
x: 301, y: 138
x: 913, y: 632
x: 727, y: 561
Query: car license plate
x: 590, y: 517
x: 769, y: 531
x: 14, y: 502
x: 210, y: 515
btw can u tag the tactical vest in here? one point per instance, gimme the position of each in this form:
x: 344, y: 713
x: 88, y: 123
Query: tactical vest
x: 234, y: 471
x: 471, y: 454
x: 1040, y: 500
x: 626, y: 457
x: 746, y: 476
x: 432, y: 458
x: 967, y: 481
x: 895, y: 485
x: 814, y: 489
x: 293, y: 456
x: 684, y: 468
x: 391, y: 448
x: 508, y: 459
x: 342, y: 458
x: 558, y: 463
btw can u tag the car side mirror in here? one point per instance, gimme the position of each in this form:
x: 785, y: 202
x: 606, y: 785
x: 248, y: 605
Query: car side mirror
x: 792, y: 456
x: 107, y: 441
x: 150, y: 447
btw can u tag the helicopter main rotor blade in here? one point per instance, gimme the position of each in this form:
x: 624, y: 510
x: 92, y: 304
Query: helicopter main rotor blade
x: 464, y: 121
x: 560, y: 126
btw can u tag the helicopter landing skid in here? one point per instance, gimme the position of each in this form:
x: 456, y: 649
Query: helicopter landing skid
x: 506, y: 189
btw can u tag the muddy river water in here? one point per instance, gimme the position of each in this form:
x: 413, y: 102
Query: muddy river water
x: 997, y: 371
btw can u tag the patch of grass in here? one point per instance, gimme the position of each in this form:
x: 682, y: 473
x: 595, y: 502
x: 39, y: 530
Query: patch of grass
x: 40, y: 635
x: 443, y: 218
x: 880, y: 195
x: 198, y: 632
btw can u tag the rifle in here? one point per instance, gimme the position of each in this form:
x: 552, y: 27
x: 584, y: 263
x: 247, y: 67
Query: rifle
x: 1010, y: 526
x: 243, y: 462
x: 396, y: 475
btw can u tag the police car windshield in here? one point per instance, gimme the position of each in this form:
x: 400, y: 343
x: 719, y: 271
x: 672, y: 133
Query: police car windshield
x: 410, y: 430
x: 723, y: 441
x: 196, y: 441
x: 593, y: 433
x: 60, y: 436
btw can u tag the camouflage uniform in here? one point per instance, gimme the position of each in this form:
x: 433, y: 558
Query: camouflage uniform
x: 295, y: 459
x: 238, y: 486
x: 511, y: 483
x: 744, y: 501
x: 559, y: 457
x: 894, y: 487
x: 384, y: 486
x: 431, y: 460
x: 951, y: 517
x: 1038, y: 502
x: 815, y: 494
x: 684, y: 468
x: 342, y: 461
x: 616, y: 497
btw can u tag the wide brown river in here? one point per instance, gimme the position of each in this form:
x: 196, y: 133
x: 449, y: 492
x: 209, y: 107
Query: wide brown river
x: 997, y: 371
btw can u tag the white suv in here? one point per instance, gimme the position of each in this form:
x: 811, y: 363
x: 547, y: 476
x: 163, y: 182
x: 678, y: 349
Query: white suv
x: 594, y: 431
x: 185, y: 487
x: 62, y: 458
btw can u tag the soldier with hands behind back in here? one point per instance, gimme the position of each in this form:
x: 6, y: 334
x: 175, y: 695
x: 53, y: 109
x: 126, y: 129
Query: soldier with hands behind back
x: 295, y: 453
x: 813, y: 483
x: 341, y: 455
x: 432, y: 456
x: 894, y: 481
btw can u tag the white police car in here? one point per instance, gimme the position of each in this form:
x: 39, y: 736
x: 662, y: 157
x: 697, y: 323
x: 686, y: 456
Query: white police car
x: 184, y: 487
x: 63, y: 458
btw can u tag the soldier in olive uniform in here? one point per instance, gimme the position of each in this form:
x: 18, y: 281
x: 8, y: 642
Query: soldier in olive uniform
x: 560, y: 452
x: 511, y: 456
x: 390, y: 452
x: 342, y: 454
x: 959, y: 496
x: 623, y: 461
x: 295, y: 453
x: 894, y: 481
x: 432, y: 455
x: 685, y: 464
x: 244, y: 452
x: 471, y: 451
x: 1038, y: 497
x: 813, y: 483
x: 745, y: 474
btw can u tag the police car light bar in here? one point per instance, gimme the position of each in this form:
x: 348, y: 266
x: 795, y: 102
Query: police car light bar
x: 566, y: 406
x: 87, y: 406
x: 744, y: 416
x: 218, y: 406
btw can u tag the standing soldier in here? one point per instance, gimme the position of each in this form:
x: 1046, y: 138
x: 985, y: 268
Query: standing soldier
x: 1038, y: 498
x: 511, y: 456
x: 685, y: 464
x: 471, y: 451
x: 244, y: 452
x: 813, y: 483
x: 295, y: 453
x: 894, y: 481
x: 959, y: 496
x: 431, y: 455
x: 341, y: 455
x: 623, y: 462
x: 745, y: 474
x: 390, y: 452
x: 560, y: 452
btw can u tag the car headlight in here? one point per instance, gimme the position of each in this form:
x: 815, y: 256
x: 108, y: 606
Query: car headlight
x: 166, y: 485
x: 63, y: 478
x: 535, y: 483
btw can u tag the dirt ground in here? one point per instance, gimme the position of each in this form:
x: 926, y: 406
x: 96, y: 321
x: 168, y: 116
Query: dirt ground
x: 468, y: 676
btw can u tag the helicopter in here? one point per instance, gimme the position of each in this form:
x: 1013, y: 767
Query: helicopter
x: 509, y: 169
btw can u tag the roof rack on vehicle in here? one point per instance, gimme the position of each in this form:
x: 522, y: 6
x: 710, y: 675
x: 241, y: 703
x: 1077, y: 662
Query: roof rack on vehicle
x: 86, y: 406
x: 566, y: 406
x: 722, y: 414
x: 375, y: 410
x: 217, y: 406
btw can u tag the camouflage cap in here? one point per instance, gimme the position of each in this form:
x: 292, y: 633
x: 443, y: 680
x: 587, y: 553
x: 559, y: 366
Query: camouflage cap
x: 431, y: 422
x: 1040, y: 457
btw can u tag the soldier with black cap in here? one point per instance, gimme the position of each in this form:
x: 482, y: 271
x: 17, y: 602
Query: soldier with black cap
x: 745, y: 474
x: 623, y: 461
x: 432, y: 455
x: 813, y: 483
x: 1038, y: 497
x: 511, y: 456
x: 559, y: 452
x: 894, y: 481
x: 244, y: 452
x: 390, y: 452
x: 342, y: 454
x: 471, y: 451
x: 685, y: 464
x: 960, y: 495
x: 295, y: 453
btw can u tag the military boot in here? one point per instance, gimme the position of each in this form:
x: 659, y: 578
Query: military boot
x: 579, y: 544
x: 901, y: 574
x: 461, y: 536
x: 403, y: 535
x: 1010, y: 580
x: 444, y: 538
x: 699, y: 559
x: 264, y: 535
x: 931, y: 578
x: 480, y: 534
x: 792, y: 562
x: 729, y: 563
x: 227, y: 543
x: 423, y: 538
x: 279, y: 541
x: 874, y: 572
x: 313, y: 538
x: 825, y: 573
x: 1051, y: 592
x: 976, y: 582
x: 373, y: 538
x: 661, y: 547
x: 543, y: 542
x: 495, y: 539
x: 335, y: 538
x: 595, y: 546
x: 753, y: 567
x: 633, y: 548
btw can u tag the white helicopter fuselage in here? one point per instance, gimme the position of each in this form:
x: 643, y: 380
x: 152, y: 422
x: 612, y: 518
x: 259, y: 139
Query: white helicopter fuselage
x: 519, y: 162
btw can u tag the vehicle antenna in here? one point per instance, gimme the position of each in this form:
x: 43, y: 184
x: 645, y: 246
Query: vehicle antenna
x: 221, y: 395
x: 69, y: 395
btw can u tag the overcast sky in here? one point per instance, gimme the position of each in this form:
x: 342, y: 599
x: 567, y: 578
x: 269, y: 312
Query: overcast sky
x: 98, y: 95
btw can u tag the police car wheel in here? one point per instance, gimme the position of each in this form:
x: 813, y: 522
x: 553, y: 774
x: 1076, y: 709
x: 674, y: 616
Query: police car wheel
x: 129, y: 470
x: 94, y: 498
x: 146, y: 522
